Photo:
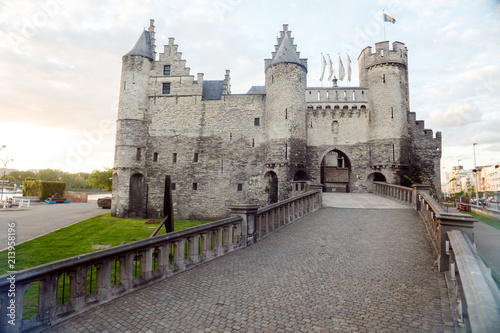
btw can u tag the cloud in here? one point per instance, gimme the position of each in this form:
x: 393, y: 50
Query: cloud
x: 455, y: 115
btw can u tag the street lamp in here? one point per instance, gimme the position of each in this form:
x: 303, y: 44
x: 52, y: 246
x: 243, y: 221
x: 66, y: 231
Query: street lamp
x: 4, y: 171
x: 475, y: 171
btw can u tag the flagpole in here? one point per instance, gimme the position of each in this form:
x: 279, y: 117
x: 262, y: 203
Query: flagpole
x: 383, y: 22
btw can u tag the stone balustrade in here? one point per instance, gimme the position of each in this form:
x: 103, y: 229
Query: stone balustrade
x: 70, y: 286
x: 473, y: 293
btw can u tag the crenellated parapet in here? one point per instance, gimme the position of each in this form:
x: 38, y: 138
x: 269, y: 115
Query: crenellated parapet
x: 384, y: 55
x: 344, y: 94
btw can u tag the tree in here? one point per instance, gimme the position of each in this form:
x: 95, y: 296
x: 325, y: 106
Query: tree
x: 102, y: 179
x: 50, y: 175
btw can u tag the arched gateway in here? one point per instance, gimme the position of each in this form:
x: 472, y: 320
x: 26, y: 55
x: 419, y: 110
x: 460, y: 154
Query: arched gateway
x: 335, y: 172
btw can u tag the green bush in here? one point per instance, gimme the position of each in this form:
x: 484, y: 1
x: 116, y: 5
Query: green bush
x: 31, y: 186
x: 48, y: 189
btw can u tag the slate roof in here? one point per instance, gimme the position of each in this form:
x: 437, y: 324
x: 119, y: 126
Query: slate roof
x: 212, y: 89
x: 286, y: 52
x: 143, y: 46
x: 257, y: 90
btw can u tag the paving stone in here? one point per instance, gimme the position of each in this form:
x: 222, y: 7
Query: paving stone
x: 360, y: 270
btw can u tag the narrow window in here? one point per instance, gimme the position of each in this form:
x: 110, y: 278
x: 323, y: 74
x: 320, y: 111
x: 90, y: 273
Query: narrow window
x: 240, y: 187
x: 345, y: 95
x: 166, y: 70
x: 173, y: 186
x: 174, y: 158
x: 381, y: 53
x: 392, y: 113
x: 286, y: 113
x: 354, y: 95
x: 383, y: 78
x: 230, y: 136
x: 286, y: 151
x: 166, y: 88
x: 319, y: 97
x: 124, y: 85
x: 336, y: 95
x: 155, y: 157
x: 195, y: 186
x: 138, y: 154
x: 195, y: 158
x: 327, y: 95
x: 256, y: 121
x: 253, y: 142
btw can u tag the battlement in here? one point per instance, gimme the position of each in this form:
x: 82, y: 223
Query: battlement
x: 384, y: 55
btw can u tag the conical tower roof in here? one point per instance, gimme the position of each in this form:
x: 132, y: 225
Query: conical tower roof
x: 286, y: 51
x: 143, y: 46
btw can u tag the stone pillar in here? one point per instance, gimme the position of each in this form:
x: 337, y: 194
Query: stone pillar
x: 249, y: 226
x: 319, y: 188
x: 417, y: 188
x: 448, y: 222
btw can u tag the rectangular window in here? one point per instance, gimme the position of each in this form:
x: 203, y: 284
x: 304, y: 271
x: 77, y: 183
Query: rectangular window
x: 155, y: 157
x: 195, y: 158
x: 138, y: 154
x: 166, y: 88
x: 195, y: 186
x: 174, y: 158
x: 240, y: 187
x: 166, y: 70
x: 173, y: 186
x: 256, y: 121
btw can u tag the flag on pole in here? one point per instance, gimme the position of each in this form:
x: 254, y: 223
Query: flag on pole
x: 388, y: 18
x: 323, y: 69
x: 341, y: 69
x: 331, y: 68
x: 349, y: 71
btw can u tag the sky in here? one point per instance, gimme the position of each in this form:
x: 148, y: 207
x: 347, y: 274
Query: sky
x: 60, y: 64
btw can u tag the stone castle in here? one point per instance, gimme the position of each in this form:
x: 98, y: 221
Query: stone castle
x: 221, y: 149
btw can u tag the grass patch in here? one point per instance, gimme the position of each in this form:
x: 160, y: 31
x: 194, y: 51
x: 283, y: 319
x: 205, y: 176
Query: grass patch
x: 81, y: 237
x: 489, y: 221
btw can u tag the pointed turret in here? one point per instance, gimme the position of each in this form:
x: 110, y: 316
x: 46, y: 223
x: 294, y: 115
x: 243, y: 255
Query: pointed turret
x: 286, y: 51
x: 143, y: 47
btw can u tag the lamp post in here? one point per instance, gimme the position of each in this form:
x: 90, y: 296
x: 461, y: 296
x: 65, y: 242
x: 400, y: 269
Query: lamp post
x: 4, y: 171
x: 475, y: 171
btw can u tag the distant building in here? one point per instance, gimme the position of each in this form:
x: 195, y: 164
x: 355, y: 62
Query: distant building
x: 222, y: 149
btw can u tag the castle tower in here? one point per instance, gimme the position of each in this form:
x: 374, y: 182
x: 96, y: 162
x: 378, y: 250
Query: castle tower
x: 385, y: 72
x: 129, y: 171
x: 285, y: 115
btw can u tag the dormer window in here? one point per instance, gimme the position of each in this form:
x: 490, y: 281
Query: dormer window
x: 166, y: 70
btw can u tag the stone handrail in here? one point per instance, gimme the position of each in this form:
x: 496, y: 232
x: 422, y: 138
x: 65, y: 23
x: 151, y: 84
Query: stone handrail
x: 401, y: 193
x: 480, y: 296
x: 275, y: 216
x: 474, y: 291
x: 136, y: 265
x: 126, y: 268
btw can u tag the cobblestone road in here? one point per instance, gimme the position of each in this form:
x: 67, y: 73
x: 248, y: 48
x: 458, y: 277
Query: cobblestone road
x: 338, y: 269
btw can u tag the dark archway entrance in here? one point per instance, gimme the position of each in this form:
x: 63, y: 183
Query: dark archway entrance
x: 335, y: 172
x: 300, y: 175
x: 272, y: 186
x: 137, y: 196
x: 375, y: 177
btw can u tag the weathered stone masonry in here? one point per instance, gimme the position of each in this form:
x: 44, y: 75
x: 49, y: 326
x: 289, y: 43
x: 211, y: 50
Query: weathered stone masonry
x: 222, y: 149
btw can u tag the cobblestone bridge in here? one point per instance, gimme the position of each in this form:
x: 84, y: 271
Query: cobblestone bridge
x: 362, y: 263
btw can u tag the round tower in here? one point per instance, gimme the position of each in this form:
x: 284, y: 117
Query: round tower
x: 129, y: 184
x: 385, y: 73
x: 285, y: 119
